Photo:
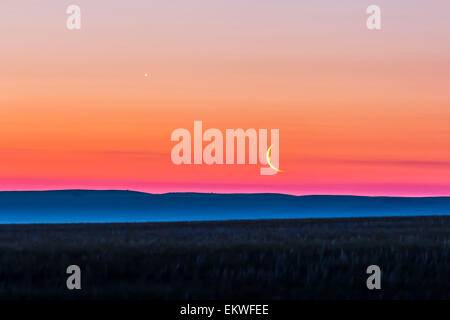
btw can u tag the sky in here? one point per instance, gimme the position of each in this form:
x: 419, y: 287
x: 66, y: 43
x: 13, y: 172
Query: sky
x: 359, y: 112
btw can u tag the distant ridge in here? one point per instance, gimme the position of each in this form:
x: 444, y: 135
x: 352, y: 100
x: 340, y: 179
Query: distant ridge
x: 73, y: 206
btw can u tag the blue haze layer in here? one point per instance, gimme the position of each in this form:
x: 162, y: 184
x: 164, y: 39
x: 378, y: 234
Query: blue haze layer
x: 74, y: 206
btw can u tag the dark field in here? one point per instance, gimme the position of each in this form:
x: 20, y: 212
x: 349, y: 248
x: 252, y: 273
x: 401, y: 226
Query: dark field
x: 284, y: 259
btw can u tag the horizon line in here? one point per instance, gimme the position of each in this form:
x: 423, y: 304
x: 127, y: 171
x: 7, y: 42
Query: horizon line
x: 224, y: 193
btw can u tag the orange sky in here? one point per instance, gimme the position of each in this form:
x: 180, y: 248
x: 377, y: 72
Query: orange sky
x: 359, y: 111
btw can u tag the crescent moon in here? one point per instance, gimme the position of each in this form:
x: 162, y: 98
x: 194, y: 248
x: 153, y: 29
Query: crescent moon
x: 270, y: 162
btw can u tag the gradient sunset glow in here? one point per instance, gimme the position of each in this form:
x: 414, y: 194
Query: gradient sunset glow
x: 359, y: 112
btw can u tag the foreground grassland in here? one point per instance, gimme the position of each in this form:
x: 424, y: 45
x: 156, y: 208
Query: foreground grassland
x: 265, y: 259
